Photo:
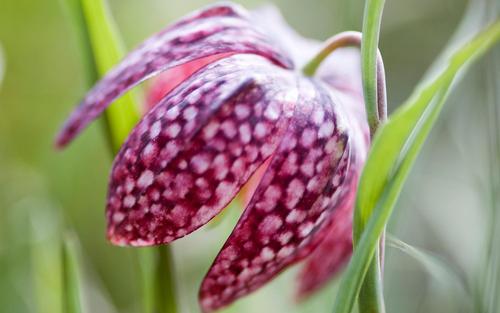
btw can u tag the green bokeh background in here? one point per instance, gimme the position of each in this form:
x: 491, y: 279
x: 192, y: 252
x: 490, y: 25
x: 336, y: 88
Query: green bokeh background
x: 443, y: 208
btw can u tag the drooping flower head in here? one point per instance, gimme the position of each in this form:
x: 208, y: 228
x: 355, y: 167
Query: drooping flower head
x: 236, y: 100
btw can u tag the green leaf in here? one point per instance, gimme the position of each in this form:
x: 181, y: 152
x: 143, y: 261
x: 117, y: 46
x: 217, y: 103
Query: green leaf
x: 398, y: 142
x: 101, y: 49
x: 395, y: 148
x: 71, y: 275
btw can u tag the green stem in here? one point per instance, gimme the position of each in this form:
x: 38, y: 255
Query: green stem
x: 165, y: 281
x: 101, y: 49
x: 377, y: 110
x: 158, y: 282
x: 371, y: 298
x: 370, y: 61
x: 374, y: 90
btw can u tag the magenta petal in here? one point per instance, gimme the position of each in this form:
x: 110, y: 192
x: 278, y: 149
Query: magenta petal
x: 192, y: 152
x: 297, y: 193
x: 214, y: 30
x: 335, y: 247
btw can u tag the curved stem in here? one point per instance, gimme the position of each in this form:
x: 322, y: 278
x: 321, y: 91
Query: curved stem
x: 371, y: 297
x: 375, y: 113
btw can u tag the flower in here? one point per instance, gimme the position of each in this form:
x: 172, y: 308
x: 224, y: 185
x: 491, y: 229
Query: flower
x: 235, y: 102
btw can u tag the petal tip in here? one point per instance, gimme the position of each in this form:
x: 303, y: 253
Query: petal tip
x: 117, y: 240
x: 60, y: 142
x: 66, y: 134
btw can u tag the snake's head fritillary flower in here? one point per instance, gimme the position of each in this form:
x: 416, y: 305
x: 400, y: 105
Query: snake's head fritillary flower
x: 236, y: 101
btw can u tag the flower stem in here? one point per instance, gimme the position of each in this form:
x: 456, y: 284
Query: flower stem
x: 101, y: 49
x: 375, y: 110
x: 158, y: 282
x: 371, y: 298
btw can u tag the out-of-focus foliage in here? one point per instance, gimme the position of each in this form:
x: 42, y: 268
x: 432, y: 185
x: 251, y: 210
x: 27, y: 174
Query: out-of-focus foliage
x: 443, y: 208
x: 2, y: 65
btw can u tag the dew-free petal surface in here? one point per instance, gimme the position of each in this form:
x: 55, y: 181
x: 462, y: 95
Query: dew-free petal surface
x: 296, y: 194
x: 215, y: 30
x: 192, y: 152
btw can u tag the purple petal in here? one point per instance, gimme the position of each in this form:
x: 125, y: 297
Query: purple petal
x: 336, y: 246
x: 192, y: 152
x: 297, y: 193
x: 214, y: 30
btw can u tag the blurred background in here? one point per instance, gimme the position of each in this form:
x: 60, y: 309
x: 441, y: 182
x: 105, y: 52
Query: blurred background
x: 445, y: 208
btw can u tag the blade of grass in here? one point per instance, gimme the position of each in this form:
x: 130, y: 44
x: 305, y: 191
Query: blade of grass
x: 491, y: 269
x: 101, y: 50
x: 45, y: 255
x: 71, y: 275
x: 395, y: 148
x: 437, y: 267
x: 471, y: 23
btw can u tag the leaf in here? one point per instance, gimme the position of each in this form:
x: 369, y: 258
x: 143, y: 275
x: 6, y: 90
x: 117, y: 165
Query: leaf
x: 101, y: 49
x: 437, y: 267
x: 71, y: 275
x: 398, y: 142
x: 395, y: 148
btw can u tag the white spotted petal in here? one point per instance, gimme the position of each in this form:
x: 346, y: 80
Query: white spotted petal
x: 197, y: 172
x: 240, y: 108
x: 282, y: 220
